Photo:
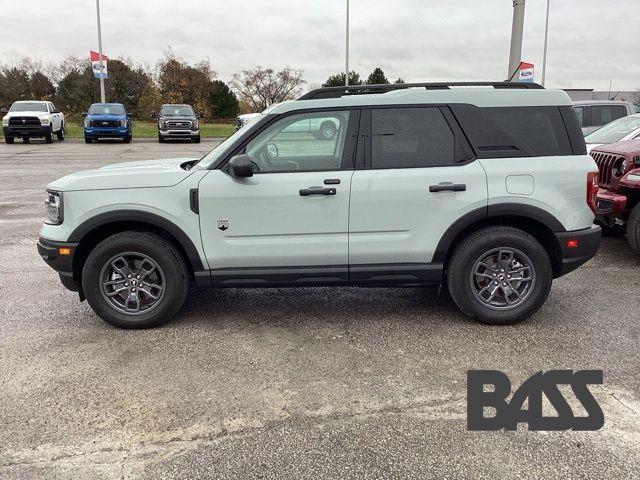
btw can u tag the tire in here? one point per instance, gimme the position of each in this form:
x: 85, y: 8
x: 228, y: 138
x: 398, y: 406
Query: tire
x: 26, y: 140
x: 8, y: 140
x: 196, y: 139
x: 161, y: 139
x: 327, y: 131
x: 49, y: 136
x: 633, y: 229
x: 88, y: 140
x: 128, y: 253
x: 469, y: 290
x: 60, y: 133
x: 127, y: 139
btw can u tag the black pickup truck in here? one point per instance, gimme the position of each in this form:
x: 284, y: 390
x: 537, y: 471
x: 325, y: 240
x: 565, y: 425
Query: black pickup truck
x: 177, y: 121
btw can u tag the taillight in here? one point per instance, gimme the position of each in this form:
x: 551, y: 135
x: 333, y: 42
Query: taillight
x: 592, y: 190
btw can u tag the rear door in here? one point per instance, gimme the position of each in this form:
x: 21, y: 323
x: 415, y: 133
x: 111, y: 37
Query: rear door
x: 415, y: 178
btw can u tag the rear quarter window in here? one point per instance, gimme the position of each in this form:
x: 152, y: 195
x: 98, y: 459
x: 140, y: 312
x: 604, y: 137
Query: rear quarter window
x: 498, y: 132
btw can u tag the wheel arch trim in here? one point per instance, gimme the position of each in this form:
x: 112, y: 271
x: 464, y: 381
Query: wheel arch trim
x: 487, y: 213
x: 113, y: 217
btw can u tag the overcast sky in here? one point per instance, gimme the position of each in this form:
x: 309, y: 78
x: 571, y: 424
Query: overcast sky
x: 590, y: 41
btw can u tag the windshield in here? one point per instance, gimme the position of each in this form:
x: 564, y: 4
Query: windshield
x: 614, y: 131
x: 176, y: 111
x: 28, y: 107
x: 106, y: 110
x: 213, y: 155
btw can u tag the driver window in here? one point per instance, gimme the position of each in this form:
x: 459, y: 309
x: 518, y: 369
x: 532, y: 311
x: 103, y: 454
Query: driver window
x: 301, y: 142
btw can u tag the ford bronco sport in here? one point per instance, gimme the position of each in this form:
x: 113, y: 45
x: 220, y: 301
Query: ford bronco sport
x: 483, y: 187
x: 618, y: 208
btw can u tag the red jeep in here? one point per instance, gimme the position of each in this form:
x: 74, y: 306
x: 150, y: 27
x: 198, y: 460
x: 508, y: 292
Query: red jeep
x: 619, y: 193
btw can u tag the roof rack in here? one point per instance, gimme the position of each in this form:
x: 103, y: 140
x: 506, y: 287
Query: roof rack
x: 337, y: 92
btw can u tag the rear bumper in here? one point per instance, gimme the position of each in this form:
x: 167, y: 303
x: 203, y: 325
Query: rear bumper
x: 49, y: 250
x: 27, y: 131
x: 610, y: 204
x: 586, y: 243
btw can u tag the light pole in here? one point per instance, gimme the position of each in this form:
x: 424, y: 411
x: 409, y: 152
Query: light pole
x: 102, y: 96
x: 515, y: 52
x: 346, y: 67
x: 546, y: 37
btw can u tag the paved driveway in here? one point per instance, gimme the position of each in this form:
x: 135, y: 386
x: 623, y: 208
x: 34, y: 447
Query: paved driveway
x: 303, y: 383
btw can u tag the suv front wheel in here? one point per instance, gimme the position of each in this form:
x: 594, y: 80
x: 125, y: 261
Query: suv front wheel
x: 135, y: 280
x: 500, y: 275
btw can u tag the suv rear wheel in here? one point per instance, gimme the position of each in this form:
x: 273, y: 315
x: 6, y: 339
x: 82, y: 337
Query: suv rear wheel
x: 8, y: 140
x: 49, y: 136
x: 60, y: 133
x: 500, y: 275
x: 135, y: 280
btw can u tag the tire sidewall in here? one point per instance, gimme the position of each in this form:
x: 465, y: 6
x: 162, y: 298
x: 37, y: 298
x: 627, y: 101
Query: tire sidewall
x: 176, y: 279
x: 470, y: 251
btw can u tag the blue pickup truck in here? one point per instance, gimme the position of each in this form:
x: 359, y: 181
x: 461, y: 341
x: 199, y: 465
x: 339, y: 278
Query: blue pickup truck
x: 107, y: 120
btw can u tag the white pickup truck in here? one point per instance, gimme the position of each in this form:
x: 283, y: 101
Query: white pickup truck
x: 32, y: 119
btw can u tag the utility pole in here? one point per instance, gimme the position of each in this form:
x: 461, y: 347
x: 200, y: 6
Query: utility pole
x: 102, y: 97
x: 346, y: 68
x: 515, y: 52
x: 546, y: 38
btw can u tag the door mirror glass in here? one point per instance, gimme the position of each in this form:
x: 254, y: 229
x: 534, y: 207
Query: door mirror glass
x: 84, y: 114
x: 3, y: 110
x: 240, y: 166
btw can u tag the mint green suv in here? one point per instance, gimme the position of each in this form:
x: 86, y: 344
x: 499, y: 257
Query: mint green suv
x: 485, y: 188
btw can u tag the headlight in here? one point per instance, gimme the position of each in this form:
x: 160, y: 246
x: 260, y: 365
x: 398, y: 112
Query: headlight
x: 5, y: 121
x: 123, y: 123
x: 633, y: 177
x: 54, y: 208
x: 195, y: 125
x: 161, y: 124
x: 44, y: 121
x: 87, y: 123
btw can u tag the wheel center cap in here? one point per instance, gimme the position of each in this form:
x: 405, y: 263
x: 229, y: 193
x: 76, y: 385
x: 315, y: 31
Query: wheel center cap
x: 501, y: 277
x: 134, y: 282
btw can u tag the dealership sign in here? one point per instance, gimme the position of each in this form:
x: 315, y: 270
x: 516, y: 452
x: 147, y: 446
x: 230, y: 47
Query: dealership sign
x: 99, y: 71
x: 525, y: 72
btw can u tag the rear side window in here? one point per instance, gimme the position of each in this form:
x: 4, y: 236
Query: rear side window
x: 411, y: 137
x: 499, y: 132
x: 581, y: 116
x: 603, y: 114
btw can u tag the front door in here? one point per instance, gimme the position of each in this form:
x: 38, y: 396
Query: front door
x: 292, y: 213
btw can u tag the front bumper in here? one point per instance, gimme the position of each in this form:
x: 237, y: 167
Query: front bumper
x: 576, y: 248
x: 179, y: 133
x: 26, y: 131
x: 106, y: 132
x: 609, y: 205
x: 50, y: 251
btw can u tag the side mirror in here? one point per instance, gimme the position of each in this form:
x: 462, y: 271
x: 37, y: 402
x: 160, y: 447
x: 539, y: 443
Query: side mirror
x: 202, y: 114
x: 240, y: 166
x: 3, y: 110
x: 154, y: 115
x: 128, y: 115
x: 84, y: 114
x: 56, y: 111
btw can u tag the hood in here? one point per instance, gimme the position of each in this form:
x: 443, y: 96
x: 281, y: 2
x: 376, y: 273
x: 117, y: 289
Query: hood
x: 591, y: 146
x: 140, y: 174
x: 101, y: 116
x: 26, y: 114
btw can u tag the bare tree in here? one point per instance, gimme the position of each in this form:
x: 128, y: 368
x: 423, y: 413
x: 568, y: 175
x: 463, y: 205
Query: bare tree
x: 262, y: 87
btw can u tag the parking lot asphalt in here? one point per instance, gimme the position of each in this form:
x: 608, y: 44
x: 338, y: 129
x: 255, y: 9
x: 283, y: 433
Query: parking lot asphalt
x: 300, y: 383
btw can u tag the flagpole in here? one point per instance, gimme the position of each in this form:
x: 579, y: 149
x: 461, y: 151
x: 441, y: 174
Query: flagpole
x: 546, y: 38
x: 346, y: 68
x: 101, y: 59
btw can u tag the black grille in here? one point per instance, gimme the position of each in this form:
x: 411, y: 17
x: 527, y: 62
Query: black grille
x: 607, y: 164
x: 179, y: 124
x: 105, y: 123
x: 24, y: 121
